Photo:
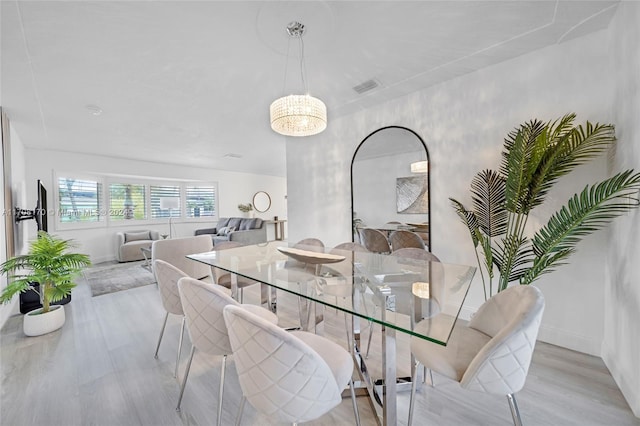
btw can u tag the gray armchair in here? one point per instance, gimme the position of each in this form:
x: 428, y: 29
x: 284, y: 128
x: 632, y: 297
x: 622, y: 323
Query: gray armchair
x: 129, y: 243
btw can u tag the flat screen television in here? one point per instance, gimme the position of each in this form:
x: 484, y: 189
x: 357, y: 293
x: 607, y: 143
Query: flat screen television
x: 41, y: 208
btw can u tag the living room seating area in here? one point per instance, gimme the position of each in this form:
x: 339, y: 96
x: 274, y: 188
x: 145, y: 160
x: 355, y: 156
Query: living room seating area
x: 242, y: 230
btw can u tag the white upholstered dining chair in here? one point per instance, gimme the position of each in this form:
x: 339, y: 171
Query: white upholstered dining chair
x: 492, y: 353
x: 288, y: 376
x: 203, y: 306
x: 167, y: 277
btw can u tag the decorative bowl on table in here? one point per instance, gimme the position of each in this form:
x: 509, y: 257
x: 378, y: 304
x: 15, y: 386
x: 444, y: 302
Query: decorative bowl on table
x: 311, y: 257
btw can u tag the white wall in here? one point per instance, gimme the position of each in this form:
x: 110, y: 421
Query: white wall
x: 463, y: 123
x: 99, y: 243
x: 621, y: 345
x: 18, y: 185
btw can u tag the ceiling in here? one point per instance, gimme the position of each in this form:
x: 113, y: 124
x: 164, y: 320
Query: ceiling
x: 191, y: 82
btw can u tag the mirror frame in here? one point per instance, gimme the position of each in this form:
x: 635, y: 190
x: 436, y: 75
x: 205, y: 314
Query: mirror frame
x: 254, y: 201
x: 426, y: 150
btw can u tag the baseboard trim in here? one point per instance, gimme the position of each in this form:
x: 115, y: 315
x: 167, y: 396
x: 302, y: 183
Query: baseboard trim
x: 566, y: 339
x: 630, y: 393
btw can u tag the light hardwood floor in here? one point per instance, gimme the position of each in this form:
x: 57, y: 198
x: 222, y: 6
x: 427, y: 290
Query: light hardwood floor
x: 100, y: 370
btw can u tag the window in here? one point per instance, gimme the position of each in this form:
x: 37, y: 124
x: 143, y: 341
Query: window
x: 201, y: 200
x: 79, y: 200
x: 165, y: 201
x: 127, y: 201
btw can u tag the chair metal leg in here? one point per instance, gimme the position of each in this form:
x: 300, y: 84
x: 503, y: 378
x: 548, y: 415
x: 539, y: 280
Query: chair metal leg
x: 224, y: 364
x: 164, y: 324
x: 186, y: 374
x: 346, y: 327
x: 414, y: 384
x: 242, y: 295
x: 355, y: 404
x: 515, y: 413
x: 366, y: 355
x: 175, y: 373
x: 240, y: 410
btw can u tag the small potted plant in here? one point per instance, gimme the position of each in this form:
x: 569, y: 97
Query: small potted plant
x: 48, y: 264
x: 246, y: 208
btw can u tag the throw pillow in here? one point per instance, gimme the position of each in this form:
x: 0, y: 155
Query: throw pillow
x: 136, y: 236
x: 246, y: 224
x: 225, y: 230
x: 235, y: 222
x: 222, y: 222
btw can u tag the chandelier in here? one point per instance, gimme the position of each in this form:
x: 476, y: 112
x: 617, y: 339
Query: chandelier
x: 298, y: 115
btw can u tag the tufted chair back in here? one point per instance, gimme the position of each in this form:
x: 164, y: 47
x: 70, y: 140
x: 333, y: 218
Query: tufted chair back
x: 280, y: 375
x: 374, y: 240
x: 404, y: 239
x: 512, y: 319
x: 168, y: 276
x: 203, y: 305
x: 349, y: 246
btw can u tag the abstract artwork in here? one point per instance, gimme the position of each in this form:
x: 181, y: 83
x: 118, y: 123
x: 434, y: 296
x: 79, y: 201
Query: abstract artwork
x: 411, y: 194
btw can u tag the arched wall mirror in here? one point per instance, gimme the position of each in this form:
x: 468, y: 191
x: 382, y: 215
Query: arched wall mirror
x: 390, y: 182
x: 261, y: 201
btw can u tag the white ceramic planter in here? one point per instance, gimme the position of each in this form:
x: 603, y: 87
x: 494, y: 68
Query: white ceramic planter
x: 36, y: 323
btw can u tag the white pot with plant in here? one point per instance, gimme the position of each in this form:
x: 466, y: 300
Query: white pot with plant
x: 247, y: 209
x: 48, y: 264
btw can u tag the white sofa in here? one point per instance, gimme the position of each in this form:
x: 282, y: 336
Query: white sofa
x: 175, y: 250
x: 129, y: 243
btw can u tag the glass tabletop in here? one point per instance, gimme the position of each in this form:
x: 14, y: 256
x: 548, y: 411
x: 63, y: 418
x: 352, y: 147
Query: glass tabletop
x: 358, y: 283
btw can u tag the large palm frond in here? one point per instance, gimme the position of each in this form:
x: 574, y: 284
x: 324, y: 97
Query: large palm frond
x: 585, y: 213
x: 468, y: 218
x: 566, y: 149
x: 488, y: 195
x: 519, y: 147
x: 513, y: 256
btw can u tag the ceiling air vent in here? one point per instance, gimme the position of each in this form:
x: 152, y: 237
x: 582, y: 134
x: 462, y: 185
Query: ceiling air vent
x: 366, y: 86
x: 232, y: 155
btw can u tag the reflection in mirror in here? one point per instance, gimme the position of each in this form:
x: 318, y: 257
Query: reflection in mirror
x: 390, y: 182
x: 261, y: 201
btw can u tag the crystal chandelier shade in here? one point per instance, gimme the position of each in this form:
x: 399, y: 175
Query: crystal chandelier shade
x: 298, y: 115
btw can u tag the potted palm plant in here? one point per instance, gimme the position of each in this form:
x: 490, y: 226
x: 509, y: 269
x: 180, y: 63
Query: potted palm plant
x: 49, y: 264
x: 535, y: 156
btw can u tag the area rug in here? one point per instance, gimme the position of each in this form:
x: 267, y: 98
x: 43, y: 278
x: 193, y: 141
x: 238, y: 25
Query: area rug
x: 105, y: 278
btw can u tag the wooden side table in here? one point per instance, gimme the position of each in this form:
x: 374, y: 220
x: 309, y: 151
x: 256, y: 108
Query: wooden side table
x: 279, y: 228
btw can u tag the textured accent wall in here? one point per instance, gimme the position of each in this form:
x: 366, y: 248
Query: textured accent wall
x: 463, y: 122
x: 621, y: 345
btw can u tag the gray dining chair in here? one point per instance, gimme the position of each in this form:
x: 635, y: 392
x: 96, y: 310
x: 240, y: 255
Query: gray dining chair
x: 491, y: 353
x: 374, y: 240
x: 405, y: 239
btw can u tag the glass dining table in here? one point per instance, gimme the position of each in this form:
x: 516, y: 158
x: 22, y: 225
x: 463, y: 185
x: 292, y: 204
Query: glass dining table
x: 392, y: 291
